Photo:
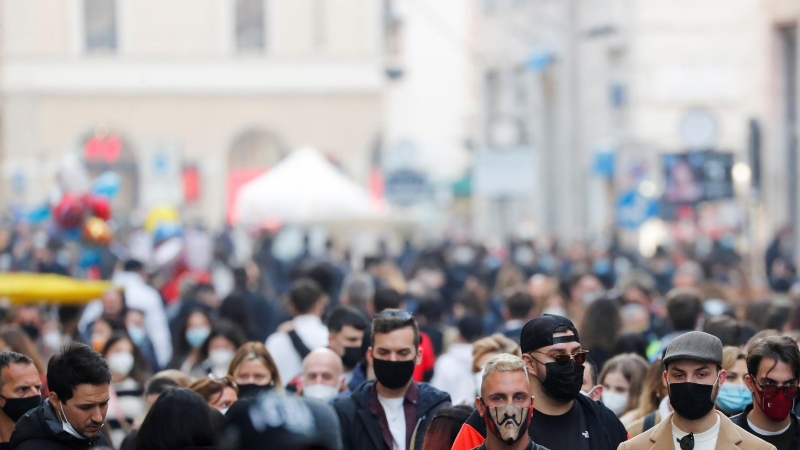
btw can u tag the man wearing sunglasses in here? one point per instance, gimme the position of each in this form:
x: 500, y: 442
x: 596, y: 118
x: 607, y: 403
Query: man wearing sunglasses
x: 773, y: 366
x: 393, y: 412
x: 563, y: 418
x: 693, y: 374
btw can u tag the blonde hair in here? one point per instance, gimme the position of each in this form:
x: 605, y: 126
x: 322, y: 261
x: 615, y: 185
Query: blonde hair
x: 730, y: 355
x: 255, y: 351
x: 504, y: 362
x: 496, y: 343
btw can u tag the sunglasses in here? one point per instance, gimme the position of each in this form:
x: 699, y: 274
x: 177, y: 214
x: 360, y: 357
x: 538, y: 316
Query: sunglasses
x: 771, y: 390
x: 562, y: 359
x: 402, y: 315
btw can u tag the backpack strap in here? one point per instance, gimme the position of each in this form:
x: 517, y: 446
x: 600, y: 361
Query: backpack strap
x: 649, y: 421
x: 299, y: 345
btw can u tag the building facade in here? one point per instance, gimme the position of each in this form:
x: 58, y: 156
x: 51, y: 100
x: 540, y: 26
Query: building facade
x: 187, y: 99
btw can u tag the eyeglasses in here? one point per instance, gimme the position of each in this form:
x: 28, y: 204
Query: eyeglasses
x: 771, y: 390
x: 402, y: 315
x: 562, y: 359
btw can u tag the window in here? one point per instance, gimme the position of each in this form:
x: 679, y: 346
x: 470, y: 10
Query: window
x: 250, y: 33
x: 101, y: 26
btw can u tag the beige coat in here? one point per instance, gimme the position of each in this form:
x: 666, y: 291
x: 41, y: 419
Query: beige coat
x: 730, y: 437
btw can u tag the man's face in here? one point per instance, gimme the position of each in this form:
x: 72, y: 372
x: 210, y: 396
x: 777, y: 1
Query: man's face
x: 19, y: 381
x: 322, y: 369
x: 87, y: 408
x: 536, y: 360
x: 112, y: 303
x: 503, y: 389
x: 779, y: 375
x: 692, y: 371
x: 397, y: 345
x: 347, y: 337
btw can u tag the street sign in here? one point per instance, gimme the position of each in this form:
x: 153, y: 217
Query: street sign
x: 406, y: 187
x: 633, y: 209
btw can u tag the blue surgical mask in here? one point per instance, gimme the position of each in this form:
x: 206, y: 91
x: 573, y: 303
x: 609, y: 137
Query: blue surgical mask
x: 137, y: 334
x: 197, y: 335
x: 734, y: 398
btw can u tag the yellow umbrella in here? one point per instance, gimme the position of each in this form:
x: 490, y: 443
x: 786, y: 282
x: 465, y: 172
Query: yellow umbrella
x: 23, y: 288
x: 160, y: 214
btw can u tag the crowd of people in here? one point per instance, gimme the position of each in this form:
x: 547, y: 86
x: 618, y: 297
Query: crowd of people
x: 527, y: 345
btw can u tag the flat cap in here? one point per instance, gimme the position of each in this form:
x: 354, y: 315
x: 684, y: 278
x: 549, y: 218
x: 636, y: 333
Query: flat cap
x: 694, y: 345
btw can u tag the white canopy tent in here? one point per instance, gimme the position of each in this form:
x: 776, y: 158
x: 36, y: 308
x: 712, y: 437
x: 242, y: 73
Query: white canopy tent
x: 303, y: 188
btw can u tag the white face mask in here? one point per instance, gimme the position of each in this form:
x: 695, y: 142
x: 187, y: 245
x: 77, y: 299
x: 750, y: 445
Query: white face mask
x: 320, y: 392
x: 52, y: 339
x: 478, y: 380
x: 614, y: 401
x: 121, y: 363
x: 66, y: 426
x: 220, y: 357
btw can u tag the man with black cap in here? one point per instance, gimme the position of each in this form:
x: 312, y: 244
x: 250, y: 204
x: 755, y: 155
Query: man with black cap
x: 693, y: 374
x: 562, y: 418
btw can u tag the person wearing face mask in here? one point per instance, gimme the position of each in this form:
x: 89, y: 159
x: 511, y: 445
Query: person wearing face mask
x: 219, y: 349
x: 254, y: 370
x: 73, y: 414
x: 20, y: 391
x: 563, y: 418
x: 773, y: 371
x: 506, y: 405
x: 693, y: 374
x: 322, y: 376
x: 346, y: 326
x: 622, y: 379
x: 128, y: 376
x: 393, y: 411
x: 189, y: 339
x: 734, y: 396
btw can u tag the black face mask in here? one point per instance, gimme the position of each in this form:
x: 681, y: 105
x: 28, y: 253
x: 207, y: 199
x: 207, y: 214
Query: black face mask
x: 563, y: 383
x: 253, y: 390
x: 691, y: 400
x: 17, y: 407
x: 351, y: 357
x: 393, y: 374
x: 31, y: 330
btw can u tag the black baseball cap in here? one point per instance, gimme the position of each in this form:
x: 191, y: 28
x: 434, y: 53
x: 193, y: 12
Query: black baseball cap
x: 538, y: 332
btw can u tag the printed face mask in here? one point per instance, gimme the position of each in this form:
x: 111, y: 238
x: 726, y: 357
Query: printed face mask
x: 509, y: 423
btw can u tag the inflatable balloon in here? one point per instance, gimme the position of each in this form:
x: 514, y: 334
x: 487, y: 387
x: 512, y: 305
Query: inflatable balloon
x: 70, y: 211
x: 167, y: 230
x: 97, y: 232
x: 158, y: 215
x: 100, y: 207
x: 39, y: 214
x: 107, y: 184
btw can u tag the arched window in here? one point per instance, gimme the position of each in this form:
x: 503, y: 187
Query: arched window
x: 251, y: 155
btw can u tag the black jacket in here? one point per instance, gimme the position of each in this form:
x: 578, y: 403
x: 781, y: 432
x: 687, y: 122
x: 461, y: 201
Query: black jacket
x: 40, y: 429
x: 741, y: 421
x: 360, y: 429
